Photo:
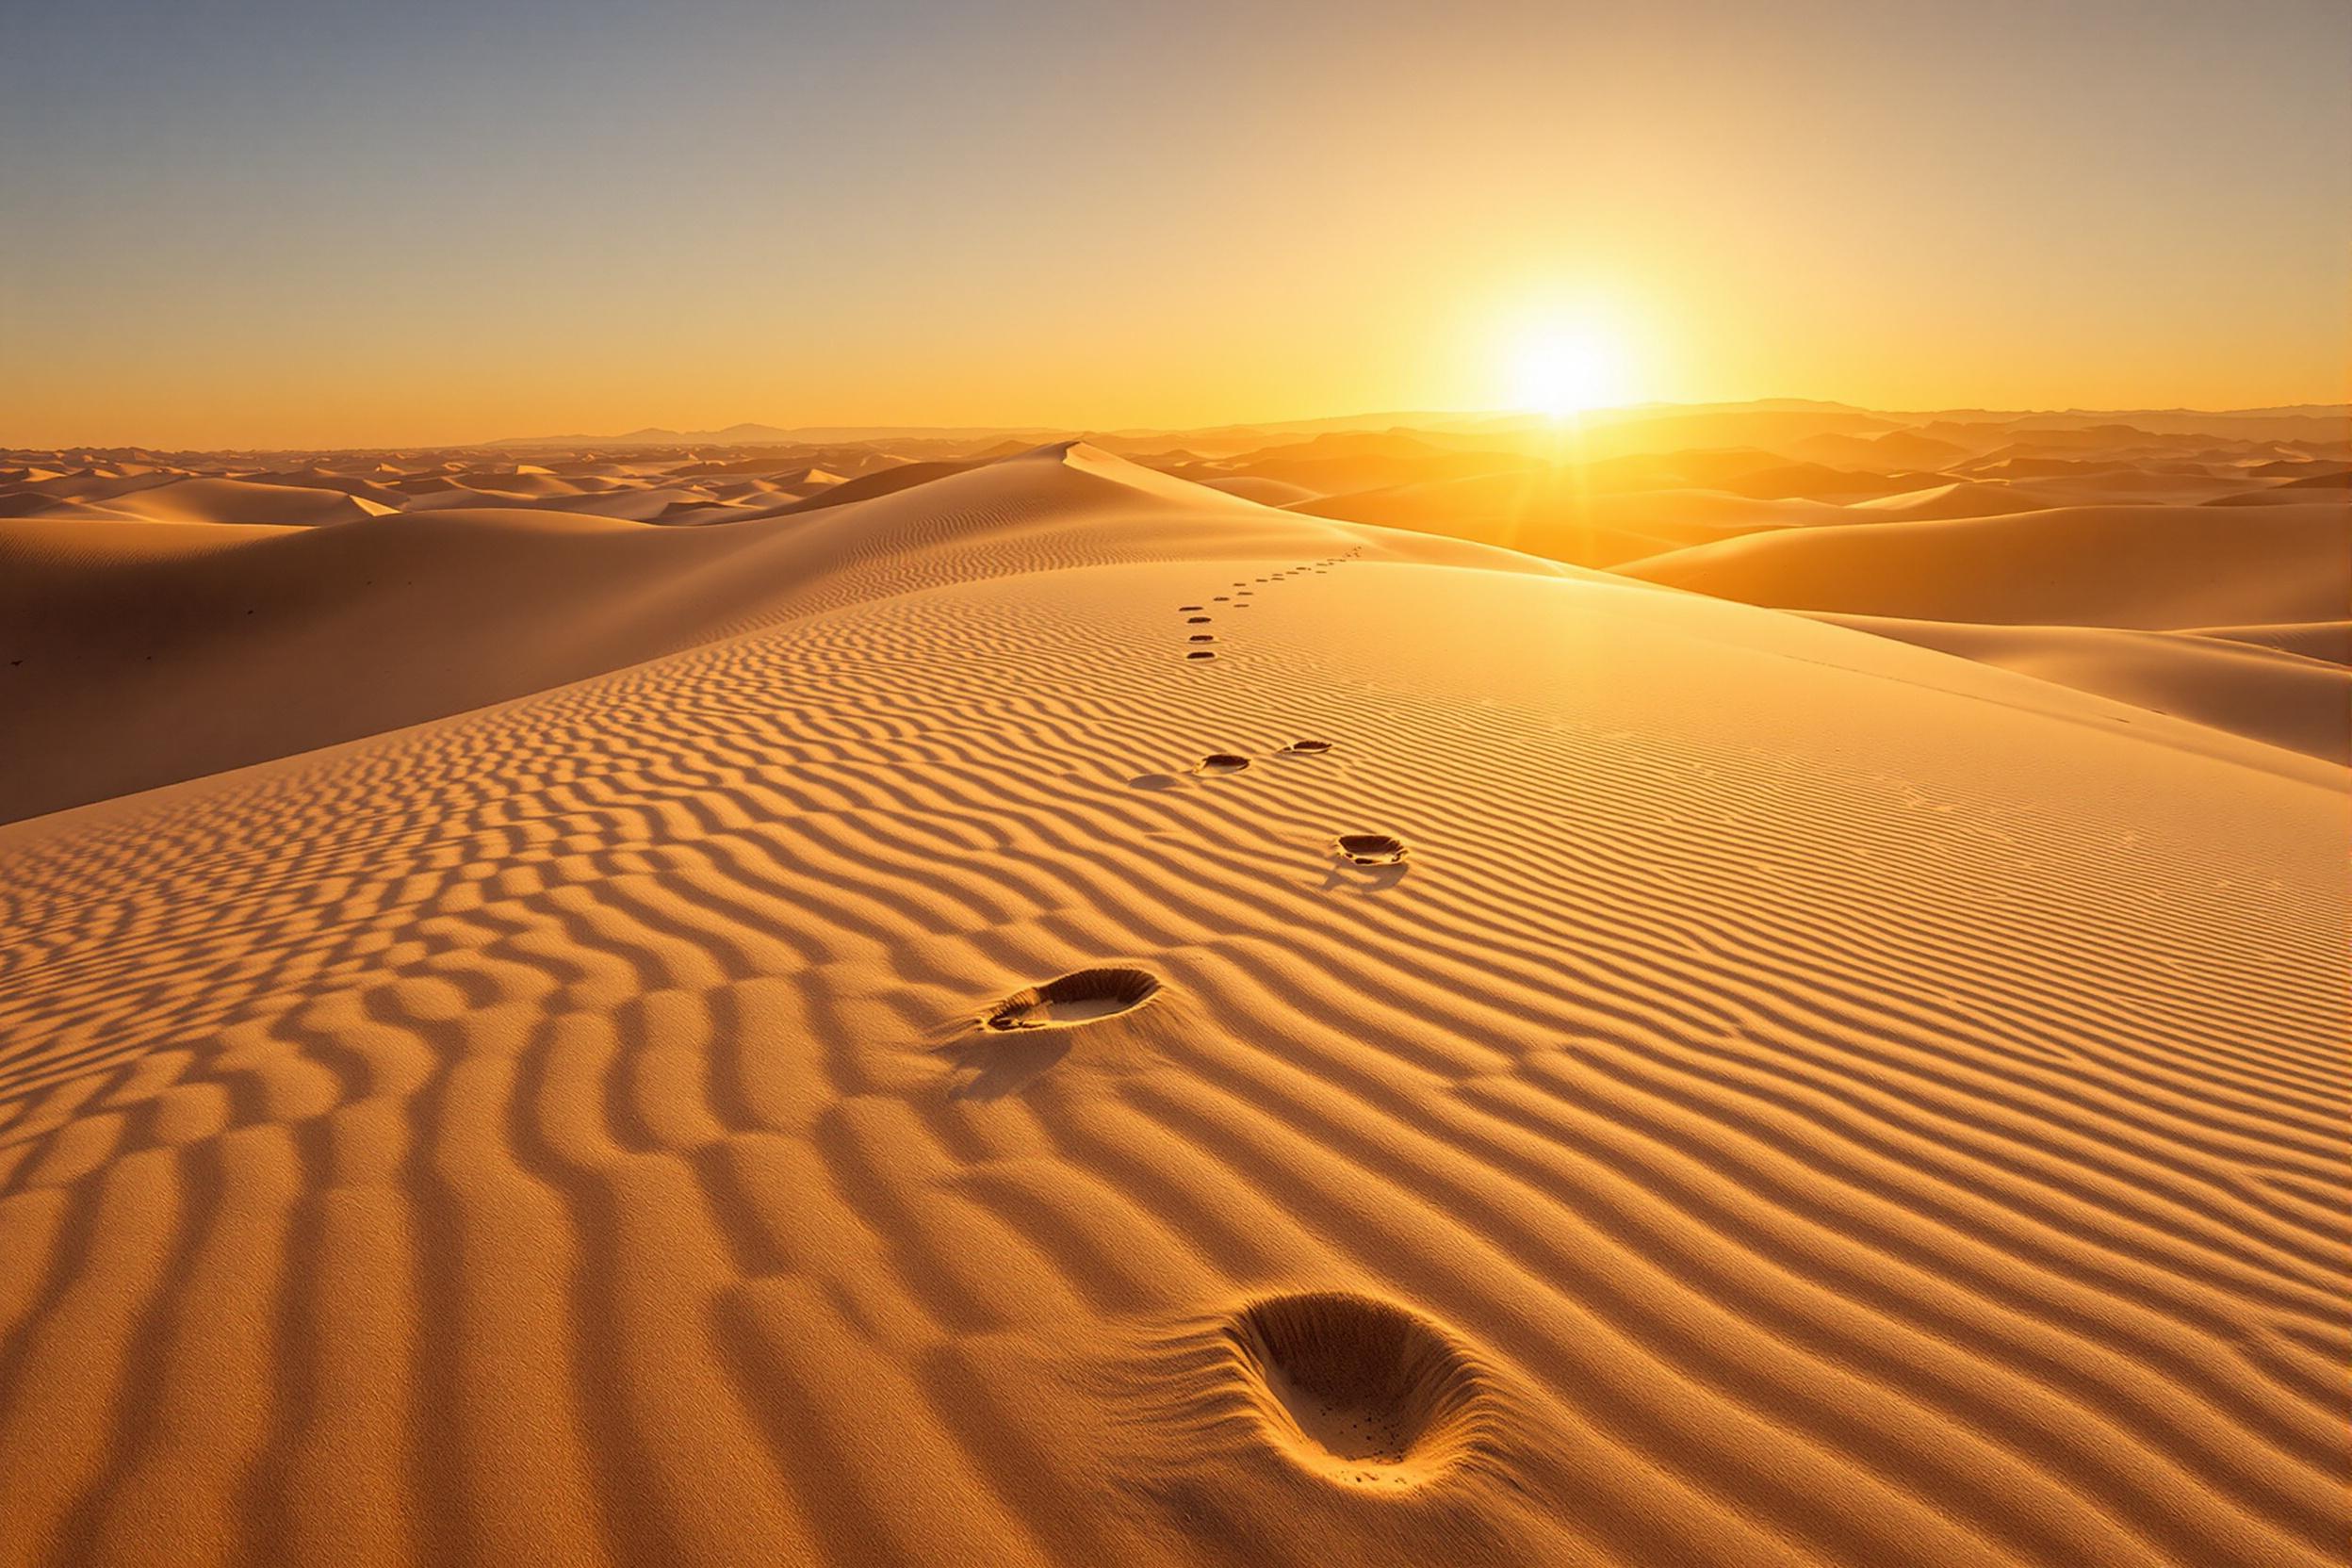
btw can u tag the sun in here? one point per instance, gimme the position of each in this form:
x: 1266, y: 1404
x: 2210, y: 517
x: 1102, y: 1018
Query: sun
x: 1568, y: 369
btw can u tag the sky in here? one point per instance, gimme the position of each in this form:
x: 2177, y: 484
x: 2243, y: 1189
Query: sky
x: 317, y: 223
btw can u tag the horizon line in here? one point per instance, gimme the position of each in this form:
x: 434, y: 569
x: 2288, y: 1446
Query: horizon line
x: 656, y: 435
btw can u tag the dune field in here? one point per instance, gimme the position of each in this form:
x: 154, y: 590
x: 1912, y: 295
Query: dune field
x: 1754, y: 985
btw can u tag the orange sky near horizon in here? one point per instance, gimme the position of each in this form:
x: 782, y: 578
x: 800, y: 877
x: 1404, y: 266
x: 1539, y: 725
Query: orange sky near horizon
x: 271, y: 225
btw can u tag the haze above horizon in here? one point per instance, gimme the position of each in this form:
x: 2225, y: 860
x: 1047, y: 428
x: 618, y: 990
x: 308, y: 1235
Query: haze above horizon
x: 264, y: 225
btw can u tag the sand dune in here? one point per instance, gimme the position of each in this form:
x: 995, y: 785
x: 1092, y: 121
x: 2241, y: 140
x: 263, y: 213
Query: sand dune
x: 123, y: 679
x: 2260, y: 497
x: 880, y: 483
x: 1057, y: 1016
x: 1818, y: 482
x: 2151, y: 568
x: 315, y: 478
x: 2336, y: 478
x: 1894, y: 448
x: 1778, y: 429
x: 224, y: 500
x: 2279, y: 698
x: 1959, y: 498
x: 2329, y: 641
x: 90, y: 483
x: 2136, y: 485
x: 1265, y: 491
x: 531, y: 481
x: 636, y: 505
x: 1552, y: 512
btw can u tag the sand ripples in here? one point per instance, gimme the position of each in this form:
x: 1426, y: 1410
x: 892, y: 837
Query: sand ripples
x: 530, y: 1136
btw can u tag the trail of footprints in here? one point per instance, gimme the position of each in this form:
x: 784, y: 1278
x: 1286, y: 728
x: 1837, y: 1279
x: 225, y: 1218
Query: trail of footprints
x: 1355, y: 1389
x: 1370, y: 851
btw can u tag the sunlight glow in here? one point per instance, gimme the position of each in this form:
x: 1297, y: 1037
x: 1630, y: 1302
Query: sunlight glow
x: 1562, y: 368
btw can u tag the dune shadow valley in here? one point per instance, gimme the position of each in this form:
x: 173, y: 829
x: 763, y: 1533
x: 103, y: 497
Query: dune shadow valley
x: 1729, y: 985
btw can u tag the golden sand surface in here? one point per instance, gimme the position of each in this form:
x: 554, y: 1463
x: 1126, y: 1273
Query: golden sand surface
x: 852, y: 1035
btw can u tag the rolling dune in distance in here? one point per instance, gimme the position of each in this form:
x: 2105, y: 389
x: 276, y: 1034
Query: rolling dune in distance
x: 1054, y: 1012
x: 2147, y: 567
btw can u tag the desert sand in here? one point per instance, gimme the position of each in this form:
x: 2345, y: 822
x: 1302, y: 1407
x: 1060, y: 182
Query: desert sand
x: 1224, y: 997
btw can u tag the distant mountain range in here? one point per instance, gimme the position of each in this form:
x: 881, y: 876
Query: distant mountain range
x: 750, y: 434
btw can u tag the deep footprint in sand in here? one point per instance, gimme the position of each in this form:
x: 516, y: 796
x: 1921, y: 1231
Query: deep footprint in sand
x: 1222, y: 761
x: 1308, y: 749
x: 1198, y: 620
x: 1360, y: 1391
x: 1370, y: 849
x: 1081, y: 996
x: 1202, y: 637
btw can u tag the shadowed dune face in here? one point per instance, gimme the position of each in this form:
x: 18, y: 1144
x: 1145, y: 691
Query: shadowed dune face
x: 1815, y: 1100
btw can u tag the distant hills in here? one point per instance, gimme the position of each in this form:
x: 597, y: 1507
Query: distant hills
x: 1788, y: 415
x: 758, y: 436
x: 1021, y: 436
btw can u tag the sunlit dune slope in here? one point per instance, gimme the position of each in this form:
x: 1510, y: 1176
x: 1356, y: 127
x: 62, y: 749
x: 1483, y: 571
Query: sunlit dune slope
x: 1960, y: 499
x: 937, y: 1072
x: 1552, y: 512
x: 2150, y: 567
x: 2279, y: 698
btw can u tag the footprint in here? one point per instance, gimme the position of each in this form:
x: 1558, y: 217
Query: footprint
x: 1201, y: 653
x: 1202, y: 637
x: 1222, y: 761
x: 1370, y: 849
x: 1081, y: 996
x: 1308, y: 749
x: 1198, y: 620
x: 1184, y: 607
x: 1361, y: 1391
